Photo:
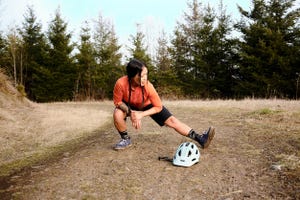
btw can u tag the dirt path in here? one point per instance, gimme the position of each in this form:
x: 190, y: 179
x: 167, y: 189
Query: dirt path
x: 239, y: 164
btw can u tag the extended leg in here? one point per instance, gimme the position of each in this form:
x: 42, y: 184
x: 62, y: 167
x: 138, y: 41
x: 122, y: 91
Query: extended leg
x: 203, y: 139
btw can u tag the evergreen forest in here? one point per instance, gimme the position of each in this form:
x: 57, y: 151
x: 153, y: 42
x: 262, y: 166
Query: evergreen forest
x: 208, y: 56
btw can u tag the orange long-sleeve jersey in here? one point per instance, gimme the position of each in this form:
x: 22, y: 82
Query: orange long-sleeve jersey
x: 121, y: 93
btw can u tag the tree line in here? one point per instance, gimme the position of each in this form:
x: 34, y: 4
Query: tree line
x: 207, y: 56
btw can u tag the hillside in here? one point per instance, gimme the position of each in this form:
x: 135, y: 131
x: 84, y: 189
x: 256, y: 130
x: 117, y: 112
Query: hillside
x: 9, y: 96
x: 32, y: 133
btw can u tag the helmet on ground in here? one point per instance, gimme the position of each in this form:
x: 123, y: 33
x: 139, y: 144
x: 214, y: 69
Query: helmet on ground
x: 186, y: 155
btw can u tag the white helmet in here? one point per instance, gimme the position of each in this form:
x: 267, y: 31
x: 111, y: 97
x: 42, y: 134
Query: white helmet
x: 186, y: 155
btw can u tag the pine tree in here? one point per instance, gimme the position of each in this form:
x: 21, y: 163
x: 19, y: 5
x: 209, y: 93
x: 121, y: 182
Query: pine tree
x: 85, y: 65
x: 6, y: 60
x: 35, y: 57
x: 139, y: 51
x: 269, y: 49
x: 202, y: 52
x: 223, y: 57
x: 61, y: 64
x: 183, y: 48
x: 3, y: 52
x: 179, y: 53
x: 167, y: 83
x: 163, y: 58
x: 108, y: 57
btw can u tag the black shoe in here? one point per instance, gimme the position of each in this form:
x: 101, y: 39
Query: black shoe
x: 205, y: 139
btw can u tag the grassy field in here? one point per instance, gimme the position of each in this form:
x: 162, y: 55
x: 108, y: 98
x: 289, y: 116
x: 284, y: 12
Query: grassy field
x: 264, y: 134
x: 64, y: 151
x: 37, y: 128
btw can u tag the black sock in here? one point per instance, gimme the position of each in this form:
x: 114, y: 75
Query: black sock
x: 124, y: 135
x: 192, y: 134
x: 195, y: 136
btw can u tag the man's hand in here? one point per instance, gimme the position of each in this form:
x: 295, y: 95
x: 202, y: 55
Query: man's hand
x: 136, y: 119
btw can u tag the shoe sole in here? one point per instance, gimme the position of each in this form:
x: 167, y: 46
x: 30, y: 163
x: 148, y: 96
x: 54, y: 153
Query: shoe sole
x: 211, y: 134
x: 122, y: 148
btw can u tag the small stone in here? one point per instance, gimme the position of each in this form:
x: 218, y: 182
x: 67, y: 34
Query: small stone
x: 276, y: 167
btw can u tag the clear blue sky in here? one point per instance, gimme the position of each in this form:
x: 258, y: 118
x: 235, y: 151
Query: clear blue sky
x: 153, y: 15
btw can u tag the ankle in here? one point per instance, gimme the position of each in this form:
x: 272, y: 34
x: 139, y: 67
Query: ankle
x: 195, y: 136
x: 124, y: 135
x: 191, y: 134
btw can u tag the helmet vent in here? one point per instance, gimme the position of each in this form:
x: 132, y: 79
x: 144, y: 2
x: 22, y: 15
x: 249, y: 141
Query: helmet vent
x: 189, y: 154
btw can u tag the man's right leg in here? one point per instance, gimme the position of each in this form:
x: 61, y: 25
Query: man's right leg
x: 120, y: 124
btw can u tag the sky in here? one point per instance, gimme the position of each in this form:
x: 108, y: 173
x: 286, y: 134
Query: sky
x: 153, y: 15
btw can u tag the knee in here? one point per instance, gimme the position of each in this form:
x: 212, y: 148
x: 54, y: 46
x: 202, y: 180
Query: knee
x: 171, y: 121
x: 119, y: 115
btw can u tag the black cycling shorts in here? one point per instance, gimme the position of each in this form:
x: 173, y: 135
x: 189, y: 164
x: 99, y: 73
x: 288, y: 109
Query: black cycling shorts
x: 160, y: 117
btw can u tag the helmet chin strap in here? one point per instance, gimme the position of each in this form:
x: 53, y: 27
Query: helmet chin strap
x: 165, y: 158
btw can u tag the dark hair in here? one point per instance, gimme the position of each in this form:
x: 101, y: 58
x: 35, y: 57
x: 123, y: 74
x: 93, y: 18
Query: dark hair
x: 134, y: 67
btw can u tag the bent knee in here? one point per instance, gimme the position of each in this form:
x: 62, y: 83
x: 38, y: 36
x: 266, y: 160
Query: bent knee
x: 119, y: 114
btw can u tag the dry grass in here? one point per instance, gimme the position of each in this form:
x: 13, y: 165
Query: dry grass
x: 30, y: 129
x: 66, y: 121
x: 26, y: 130
x: 5, y: 86
x: 257, y: 143
x: 246, y: 104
